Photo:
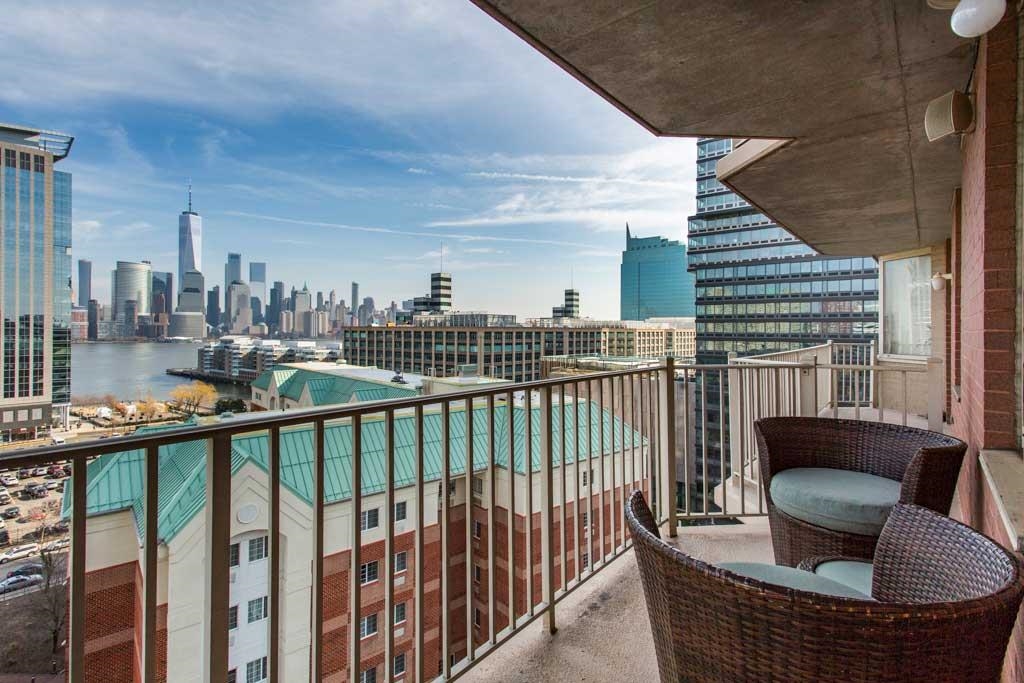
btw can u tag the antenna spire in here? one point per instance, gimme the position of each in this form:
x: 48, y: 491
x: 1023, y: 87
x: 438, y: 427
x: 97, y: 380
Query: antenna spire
x: 442, y: 256
x: 190, y: 195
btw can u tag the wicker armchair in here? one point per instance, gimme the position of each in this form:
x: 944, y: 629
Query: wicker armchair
x: 926, y: 464
x: 947, y: 601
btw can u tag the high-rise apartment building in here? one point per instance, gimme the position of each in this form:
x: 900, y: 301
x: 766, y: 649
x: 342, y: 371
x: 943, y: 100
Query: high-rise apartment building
x: 84, y: 282
x: 570, y: 307
x: 239, y: 311
x: 759, y: 289
x: 232, y: 273
x: 131, y: 281
x: 190, y: 241
x: 355, y: 302
x: 258, y: 288
x: 654, y: 281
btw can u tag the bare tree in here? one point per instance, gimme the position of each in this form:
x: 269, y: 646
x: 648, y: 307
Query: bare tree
x: 52, y: 596
x: 189, y: 397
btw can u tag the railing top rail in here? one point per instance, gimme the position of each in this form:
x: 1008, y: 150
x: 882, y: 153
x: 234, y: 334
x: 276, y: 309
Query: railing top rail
x: 768, y: 356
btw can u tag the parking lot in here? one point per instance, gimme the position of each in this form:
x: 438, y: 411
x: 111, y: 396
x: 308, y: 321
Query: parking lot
x: 30, y: 503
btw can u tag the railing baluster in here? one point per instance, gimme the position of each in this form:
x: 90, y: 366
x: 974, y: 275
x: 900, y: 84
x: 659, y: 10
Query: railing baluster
x: 418, y: 603
x: 150, y: 570
x: 492, y: 530
x: 355, y: 554
x: 622, y: 461
x: 576, y: 516
x: 389, y: 543
x: 76, y: 649
x: 903, y: 376
x: 704, y: 438
x: 446, y: 478
x: 563, y: 463
x: 688, y: 455
x: 510, y: 552
x: 218, y: 538
x: 834, y: 377
x: 470, y: 560
x: 591, y: 482
x: 528, y: 464
x: 600, y: 469
x: 646, y: 451
x: 721, y: 439
x: 738, y: 398
x: 670, y: 444
x: 547, y: 513
x: 274, y: 532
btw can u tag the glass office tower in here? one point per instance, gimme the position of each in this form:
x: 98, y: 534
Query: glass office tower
x: 35, y: 281
x: 760, y: 290
x: 653, y: 279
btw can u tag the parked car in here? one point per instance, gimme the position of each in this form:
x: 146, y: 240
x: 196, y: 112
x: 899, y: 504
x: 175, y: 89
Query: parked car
x: 8, y: 480
x: 12, y: 512
x: 16, y: 583
x: 34, y: 491
x: 24, y: 472
x: 19, y: 552
x: 59, y: 544
x: 55, y: 470
x: 5, y: 497
x: 39, y: 472
x: 53, y: 485
x: 61, y: 527
x: 26, y: 570
x: 67, y: 470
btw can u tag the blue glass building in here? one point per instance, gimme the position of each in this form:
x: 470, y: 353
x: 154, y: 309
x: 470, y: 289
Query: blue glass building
x: 35, y: 274
x: 760, y: 290
x: 653, y: 279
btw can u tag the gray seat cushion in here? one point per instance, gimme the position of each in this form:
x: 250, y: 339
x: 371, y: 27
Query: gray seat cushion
x: 856, y: 575
x: 789, y: 577
x: 840, y: 500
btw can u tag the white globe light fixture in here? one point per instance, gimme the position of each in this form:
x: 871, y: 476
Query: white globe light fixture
x: 973, y: 18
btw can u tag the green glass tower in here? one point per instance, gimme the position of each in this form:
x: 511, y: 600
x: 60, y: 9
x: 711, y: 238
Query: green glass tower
x: 654, y: 281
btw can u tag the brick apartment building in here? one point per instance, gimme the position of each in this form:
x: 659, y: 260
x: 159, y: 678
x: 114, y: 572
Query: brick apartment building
x: 114, y: 580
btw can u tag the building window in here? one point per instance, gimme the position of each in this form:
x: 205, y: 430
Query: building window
x: 478, y: 486
x: 38, y: 163
x: 368, y: 626
x: 368, y: 676
x: 400, y: 511
x: 232, y: 617
x: 368, y: 572
x: 256, y: 670
x: 369, y: 519
x: 585, y: 519
x: 232, y: 676
x: 233, y: 555
x: 583, y: 478
x: 477, y: 529
x: 585, y: 560
x: 10, y: 158
x: 257, y: 609
x: 401, y: 561
x: 477, y: 573
x: 257, y: 548
x: 399, y: 666
x: 907, y: 305
x: 400, y: 613
x: 476, y: 617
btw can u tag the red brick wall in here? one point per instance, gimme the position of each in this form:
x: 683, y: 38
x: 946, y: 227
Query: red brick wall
x: 110, y: 607
x: 985, y: 258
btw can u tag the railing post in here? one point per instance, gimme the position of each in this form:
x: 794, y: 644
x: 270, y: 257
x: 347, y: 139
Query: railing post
x: 218, y: 537
x: 547, y: 539
x: 809, y: 386
x: 936, y: 394
x: 76, y: 624
x: 668, y: 436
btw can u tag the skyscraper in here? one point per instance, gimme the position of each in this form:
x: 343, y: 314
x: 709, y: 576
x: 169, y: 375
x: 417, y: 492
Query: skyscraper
x: 213, y: 307
x: 759, y: 289
x: 163, y: 293
x: 84, y: 282
x: 440, y: 291
x: 131, y: 281
x: 232, y: 273
x: 301, y: 302
x: 355, y: 301
x: 258, y: 288
x: 275, y: 307
x: 653, y: 280
x: 239, y: 311
x: 570, y: 307
x: 191, y: 298
x: 190, y: 241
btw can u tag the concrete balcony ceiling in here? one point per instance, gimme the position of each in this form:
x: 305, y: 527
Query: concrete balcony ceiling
x: 840, y: 86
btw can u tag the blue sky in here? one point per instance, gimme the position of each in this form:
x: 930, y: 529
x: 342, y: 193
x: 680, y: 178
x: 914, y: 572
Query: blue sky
x: 342, y: 141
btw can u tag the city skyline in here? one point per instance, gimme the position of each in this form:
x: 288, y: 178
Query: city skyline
x: 475, y: 144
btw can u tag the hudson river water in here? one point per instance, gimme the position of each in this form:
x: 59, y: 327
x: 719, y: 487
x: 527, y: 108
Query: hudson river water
x: 130, y: 371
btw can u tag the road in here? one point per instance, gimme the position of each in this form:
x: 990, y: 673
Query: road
x: 5, y: 569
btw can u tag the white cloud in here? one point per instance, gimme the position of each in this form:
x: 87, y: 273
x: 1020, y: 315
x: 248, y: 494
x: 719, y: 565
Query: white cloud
x: 416, y: 170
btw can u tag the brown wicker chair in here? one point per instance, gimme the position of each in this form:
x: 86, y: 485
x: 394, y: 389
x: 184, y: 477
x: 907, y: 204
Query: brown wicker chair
x: 947, y: 601
x: 926, y: 463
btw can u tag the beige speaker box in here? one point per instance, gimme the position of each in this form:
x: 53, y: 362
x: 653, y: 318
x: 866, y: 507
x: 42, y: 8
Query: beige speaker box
x: 951, y: 114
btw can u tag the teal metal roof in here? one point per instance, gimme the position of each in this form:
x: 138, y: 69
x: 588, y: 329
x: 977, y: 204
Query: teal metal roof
x: 116, y: 479
x: 327, y: 388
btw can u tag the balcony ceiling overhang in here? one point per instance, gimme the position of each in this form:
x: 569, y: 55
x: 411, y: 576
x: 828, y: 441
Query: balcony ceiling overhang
x: 842, y: 84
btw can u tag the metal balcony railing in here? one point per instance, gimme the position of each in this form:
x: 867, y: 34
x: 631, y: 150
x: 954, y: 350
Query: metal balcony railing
x: 556, y: 458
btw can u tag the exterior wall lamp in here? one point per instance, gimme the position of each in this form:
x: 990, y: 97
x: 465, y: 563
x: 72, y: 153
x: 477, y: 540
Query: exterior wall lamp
x: 939, y: 281
x: 972, y: 18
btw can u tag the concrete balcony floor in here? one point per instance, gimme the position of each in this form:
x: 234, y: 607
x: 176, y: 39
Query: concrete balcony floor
x: 603, y: 631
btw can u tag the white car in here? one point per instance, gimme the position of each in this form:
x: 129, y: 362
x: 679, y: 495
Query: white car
x: 8, y: 480
x: 59, y: 544
x: 19, y: 552
x: 16, y: 583
x: 39, y: 472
